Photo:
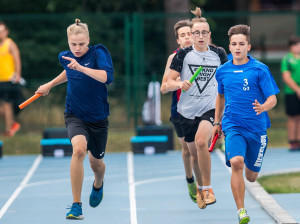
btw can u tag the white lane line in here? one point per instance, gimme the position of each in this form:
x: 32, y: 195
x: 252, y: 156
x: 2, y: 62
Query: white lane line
x: 150, y: 181
x: 132, y: 200
x: 266, y: 201
x: 21, y: 185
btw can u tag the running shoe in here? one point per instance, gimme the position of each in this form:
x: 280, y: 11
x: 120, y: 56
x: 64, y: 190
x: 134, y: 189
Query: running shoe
x: 209, y: 196
x: 200, y: 199
x: 294, y: 146
x: 14, y: 128
x: 193, y: 191
x: 243, y: 217
x: 75, y: 212
x: 96, y: 196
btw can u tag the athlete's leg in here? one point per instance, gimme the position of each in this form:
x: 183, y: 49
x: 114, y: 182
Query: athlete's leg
x: 200, y: 196
x: 196, y: 168
x: 292, y: 126
x: 202, y: 137
x: 98, y: 167
x: 79, y: 145
x: 297, y: 121
x: 186, y: 158
x: 251, y: 175
x: 237, y: 180
x: 1, y: 110
x: 8, y: 115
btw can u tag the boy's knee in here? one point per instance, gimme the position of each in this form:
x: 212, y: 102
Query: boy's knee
x: 186, y: 152
x: 201, y: 144
x: 237, y: 163
x: 79, y: 151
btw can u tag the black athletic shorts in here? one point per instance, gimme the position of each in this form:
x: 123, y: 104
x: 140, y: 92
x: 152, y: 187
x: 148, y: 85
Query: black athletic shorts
x: 12, y: 93
x: 176, y: 123
x: 190, y: 126
x: 292, y: 105
x: 95, y: 133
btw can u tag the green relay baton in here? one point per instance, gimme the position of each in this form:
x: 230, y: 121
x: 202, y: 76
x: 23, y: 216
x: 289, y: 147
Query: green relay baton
x: 195, y: 75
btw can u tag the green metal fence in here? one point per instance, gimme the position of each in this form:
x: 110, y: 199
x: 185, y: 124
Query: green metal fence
x: 140, y: 44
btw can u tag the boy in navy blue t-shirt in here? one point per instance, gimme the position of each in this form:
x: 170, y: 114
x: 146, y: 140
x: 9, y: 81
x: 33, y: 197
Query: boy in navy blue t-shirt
x: 88, y: 69
x: 246, y: 91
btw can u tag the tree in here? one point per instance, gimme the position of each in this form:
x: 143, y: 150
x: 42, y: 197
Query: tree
x: 172, y: 6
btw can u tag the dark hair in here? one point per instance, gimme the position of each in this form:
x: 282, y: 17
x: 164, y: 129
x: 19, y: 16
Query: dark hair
x: 180, y: 24
x: 240, y: 29
x: 293, y: 40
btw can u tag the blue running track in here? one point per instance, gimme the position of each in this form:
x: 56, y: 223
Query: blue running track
x: 138, y: 189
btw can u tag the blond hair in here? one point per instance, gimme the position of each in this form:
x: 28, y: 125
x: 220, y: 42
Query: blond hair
x: 199, y: 19
x: 240, y: 29
x: 78, y: 28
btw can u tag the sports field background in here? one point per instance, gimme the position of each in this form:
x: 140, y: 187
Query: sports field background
x: 139, y: 44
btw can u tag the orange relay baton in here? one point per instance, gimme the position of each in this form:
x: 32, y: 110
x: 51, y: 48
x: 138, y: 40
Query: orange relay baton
x: 30, y: 100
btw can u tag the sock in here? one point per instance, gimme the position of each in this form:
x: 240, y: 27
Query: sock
x: 200, y: 188
x: 206, y: 187
x: 77, y: 203
x: 238, y: 211
x: 97, y: 189
x: 190, y: 180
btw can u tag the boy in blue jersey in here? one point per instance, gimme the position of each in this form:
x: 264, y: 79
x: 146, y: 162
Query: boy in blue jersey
x: 88, y: 70
x: 184, y: 39
x: 246, y: 90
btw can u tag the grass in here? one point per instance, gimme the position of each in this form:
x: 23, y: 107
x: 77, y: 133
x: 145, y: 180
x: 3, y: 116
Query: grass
x: 282, y: 183
x: 29, y: 142
x: 48, y: 112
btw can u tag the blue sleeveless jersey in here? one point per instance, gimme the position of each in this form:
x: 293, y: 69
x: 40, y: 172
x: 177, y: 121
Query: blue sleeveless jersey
x: 87, y: 97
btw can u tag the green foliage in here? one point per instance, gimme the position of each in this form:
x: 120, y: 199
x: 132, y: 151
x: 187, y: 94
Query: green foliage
x: 78, y: 6
x: 41, y: 38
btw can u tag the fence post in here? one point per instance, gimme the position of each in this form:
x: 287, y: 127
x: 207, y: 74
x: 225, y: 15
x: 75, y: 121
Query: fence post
x: 138, y: 64
x: 128, y: 64
x: 298, y: 23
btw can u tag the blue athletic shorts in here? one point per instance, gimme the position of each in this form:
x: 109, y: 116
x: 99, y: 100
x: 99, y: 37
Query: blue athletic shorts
x: 249, y: 145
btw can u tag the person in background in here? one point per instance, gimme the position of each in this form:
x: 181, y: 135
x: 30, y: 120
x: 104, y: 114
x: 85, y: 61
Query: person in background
x: 10, y: 76
x: 290, y: 68
x: 88, y: 69
x: 246, y: 91
x: 184, y: 39
x: 196, y: 105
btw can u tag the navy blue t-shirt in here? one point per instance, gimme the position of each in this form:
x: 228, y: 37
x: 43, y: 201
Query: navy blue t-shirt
x: 87, y: 97
x: 241, y: 86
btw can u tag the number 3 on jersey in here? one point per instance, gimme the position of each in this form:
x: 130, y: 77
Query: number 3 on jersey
x: 246, y: 87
